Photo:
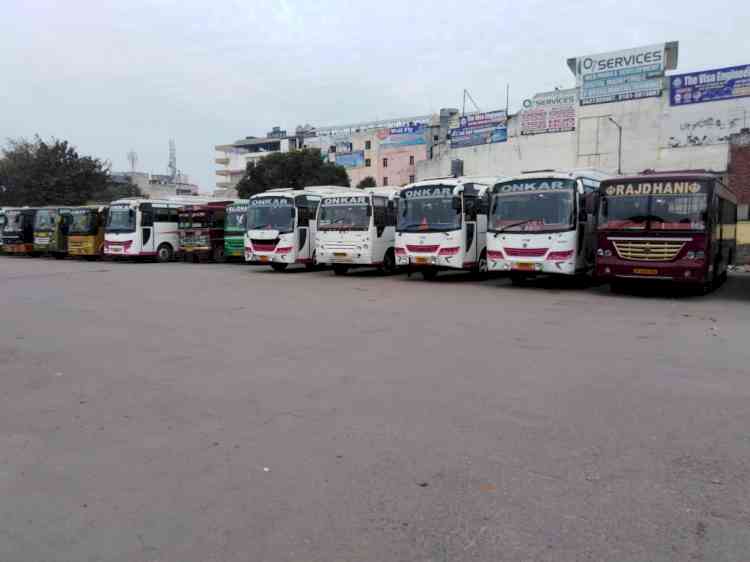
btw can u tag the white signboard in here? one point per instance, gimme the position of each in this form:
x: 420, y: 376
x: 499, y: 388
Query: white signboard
x: 622, y: 75
x: 550, y: 112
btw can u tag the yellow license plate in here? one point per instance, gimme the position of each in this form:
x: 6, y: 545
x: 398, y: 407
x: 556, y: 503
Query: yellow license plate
x: 421, y: 260
x: 264, y: 258
x: 642, y: 271
x: 523, y: 266
x: 339, y: 254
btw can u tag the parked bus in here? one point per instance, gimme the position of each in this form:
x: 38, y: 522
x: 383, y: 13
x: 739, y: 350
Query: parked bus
x: 18, y: 231
x: 357, y: 230
x: 442, y: 225
x: 2, y: 227
x: 202, y: 231
x: 51, y: 226
x: 86, y: 231
x: 142, y: 228
x: 672, y: 226
x: 234, y: 230
x: 544, y: 223
x: 281, y: 226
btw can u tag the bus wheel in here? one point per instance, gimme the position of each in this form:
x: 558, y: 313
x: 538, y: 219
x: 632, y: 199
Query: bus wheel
x: 389, y: 262
x: 340, y: 269
x: 311, y: 265
x: 279, y: 266
x: 429, y: 274
x: 164, y: 253
x: 218, y: 255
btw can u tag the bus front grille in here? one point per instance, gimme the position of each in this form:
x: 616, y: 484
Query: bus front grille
x: 650, y: 250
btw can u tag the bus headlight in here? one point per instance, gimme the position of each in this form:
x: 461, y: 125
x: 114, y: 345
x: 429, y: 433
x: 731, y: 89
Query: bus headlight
x: 600, y: 252
x: 690, y: 255
x: 607, y: 253
x: 700, y: 255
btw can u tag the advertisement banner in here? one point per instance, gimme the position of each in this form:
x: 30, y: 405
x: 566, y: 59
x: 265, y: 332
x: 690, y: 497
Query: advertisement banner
x: 399, y: 137
x: 727, y: 83
x: 354, y: 159
x: 480, y: 128
x: 621, y: 75
x: 550, y: 112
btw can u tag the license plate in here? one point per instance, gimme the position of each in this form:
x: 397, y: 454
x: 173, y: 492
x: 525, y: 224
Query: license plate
x: 264, y: 258
x: 340, y: 254
x: 642, y: 271
x: 115, y: 249
x: 421, y: 260
x: 523, y: 266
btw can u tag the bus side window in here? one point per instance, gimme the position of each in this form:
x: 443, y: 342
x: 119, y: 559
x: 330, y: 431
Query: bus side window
x: 470, y: 207
x: 379, y: 211
x: 391, y: 212
x: 147, y: 214
x: 174, y: 215
x: 218, y: 219
x: 161, y: 214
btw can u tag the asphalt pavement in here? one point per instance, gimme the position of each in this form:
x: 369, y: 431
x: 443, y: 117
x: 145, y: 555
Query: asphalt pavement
x: 199, y: 412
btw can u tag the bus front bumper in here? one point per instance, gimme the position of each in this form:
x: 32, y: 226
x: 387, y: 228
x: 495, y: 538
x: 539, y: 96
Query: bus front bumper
x: 529, y: 267
x: 684, y: 271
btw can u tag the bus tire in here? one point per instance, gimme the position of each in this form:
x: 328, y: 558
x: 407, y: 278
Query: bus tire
x: 279, y: 266
x: 429, y: 274
x: 340, y: 269
x: 312, y: 264
x: 389, y: 262
x: 164, y: 253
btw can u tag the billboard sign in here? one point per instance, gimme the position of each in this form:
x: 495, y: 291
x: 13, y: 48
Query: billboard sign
x: 480, y: 128
x: 621, y: 75
x: 550, y: 112
x: 727, y: 83
x: 354, y: 159
x: 399, y: 137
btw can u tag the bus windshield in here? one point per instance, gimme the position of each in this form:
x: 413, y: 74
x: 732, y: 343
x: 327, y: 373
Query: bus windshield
x: 540, y: 205
x: 44, y: 219
x: 82, y: 221
x: 344, y: 213
x: 428, y: 208
x: 13, y: 221
x: 193, y: 220
x: 633, y: 210
x: 235, y: 219
x: 271, y: 213
x: 121, y: 219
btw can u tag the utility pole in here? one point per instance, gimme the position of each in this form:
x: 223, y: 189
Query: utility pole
x: 619, y: 145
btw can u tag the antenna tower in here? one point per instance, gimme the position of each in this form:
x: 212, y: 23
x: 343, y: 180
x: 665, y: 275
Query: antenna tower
x: 133, y: 160
x: 172, y: 159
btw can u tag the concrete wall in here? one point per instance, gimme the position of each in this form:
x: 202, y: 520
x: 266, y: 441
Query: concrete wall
x: 655, y: 135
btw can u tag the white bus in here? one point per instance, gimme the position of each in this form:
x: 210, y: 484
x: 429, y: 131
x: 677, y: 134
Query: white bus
x: 442, y: 225
x: 544, y: 223
x: 138, y: 227
x: 281, y: 226
x: 357, y: 230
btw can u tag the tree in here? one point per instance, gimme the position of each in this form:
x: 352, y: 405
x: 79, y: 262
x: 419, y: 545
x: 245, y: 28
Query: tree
x: 38, y: 173
x: 295, y: 169
x: 117, y: 188
x: 369, y: 181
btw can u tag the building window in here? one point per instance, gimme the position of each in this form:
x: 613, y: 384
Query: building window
x: 368, y: 163
x: 411, y: 160
x: 385, y: 162
x: 332, y: 148
x: 412, y: 179
x: 368, y: 145
x: 385, y: 180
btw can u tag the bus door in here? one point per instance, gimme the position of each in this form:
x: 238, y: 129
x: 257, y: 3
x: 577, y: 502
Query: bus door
x: 304, y: 244
x: 587, y: 208
x: 471, y: 208
x: 147, y: 228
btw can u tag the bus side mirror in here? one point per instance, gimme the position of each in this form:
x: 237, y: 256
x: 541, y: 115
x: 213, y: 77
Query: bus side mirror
x: 456, y: 203
x: 391, y: 205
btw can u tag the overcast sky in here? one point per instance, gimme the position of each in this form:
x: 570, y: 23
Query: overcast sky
x: 111, y: 76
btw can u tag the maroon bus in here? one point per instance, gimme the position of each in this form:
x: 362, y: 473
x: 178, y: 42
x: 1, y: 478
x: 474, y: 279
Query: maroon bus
x: 673, y: 226
x: 201, y: 229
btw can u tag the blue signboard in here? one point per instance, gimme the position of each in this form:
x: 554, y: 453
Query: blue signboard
x: 480, y: 128
x: 399, y: 137
x: 727, y: 83
x: 354, y: 159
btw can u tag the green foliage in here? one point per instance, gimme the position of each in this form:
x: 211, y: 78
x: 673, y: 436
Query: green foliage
x: 117, y: 190
x: 369, y: 181
x: 38, y: 173
x: 295, y: 169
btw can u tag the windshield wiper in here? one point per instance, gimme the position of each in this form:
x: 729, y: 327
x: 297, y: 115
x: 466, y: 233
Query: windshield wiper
x: 507, y: 226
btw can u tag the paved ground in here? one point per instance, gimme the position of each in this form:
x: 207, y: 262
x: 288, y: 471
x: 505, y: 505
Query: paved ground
x: 181, y: 413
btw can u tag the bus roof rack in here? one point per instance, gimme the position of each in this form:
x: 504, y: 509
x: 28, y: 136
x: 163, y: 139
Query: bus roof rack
x: 649, y: 171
